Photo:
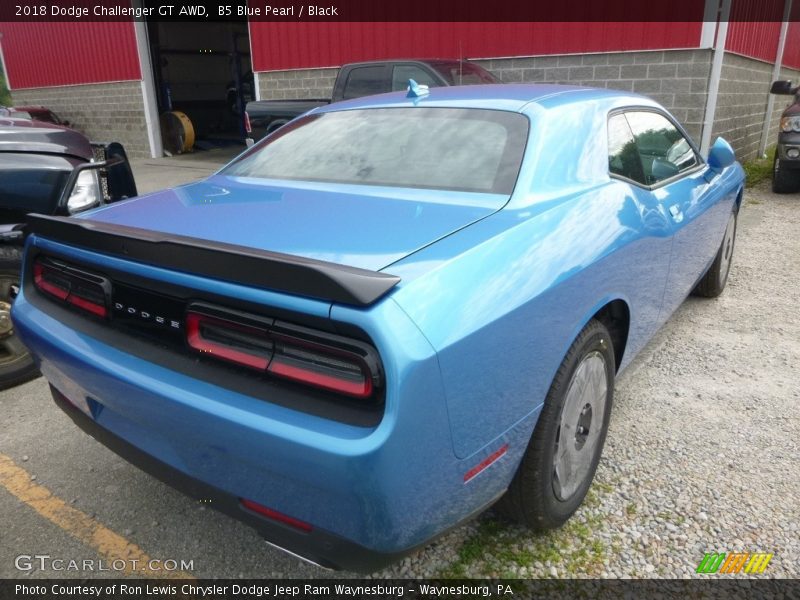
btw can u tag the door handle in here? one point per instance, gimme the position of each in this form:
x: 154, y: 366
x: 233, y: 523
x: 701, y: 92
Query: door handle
x: 677, y: 214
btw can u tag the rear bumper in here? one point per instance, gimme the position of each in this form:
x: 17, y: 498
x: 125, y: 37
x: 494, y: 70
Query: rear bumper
x: 370, y: 493
x: 320, y: 547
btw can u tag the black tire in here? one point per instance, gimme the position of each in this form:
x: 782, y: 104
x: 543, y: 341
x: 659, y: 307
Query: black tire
x: 784, y: 181
x: 16, y: 362
x: 714, y: 280
x: 275, y: 125
x: 535, y: 496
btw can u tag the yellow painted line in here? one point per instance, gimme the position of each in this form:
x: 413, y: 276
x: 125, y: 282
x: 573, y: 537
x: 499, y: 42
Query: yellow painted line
x: 109, y: 545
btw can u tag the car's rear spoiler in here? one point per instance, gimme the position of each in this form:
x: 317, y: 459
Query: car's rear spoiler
x: 229, y: 262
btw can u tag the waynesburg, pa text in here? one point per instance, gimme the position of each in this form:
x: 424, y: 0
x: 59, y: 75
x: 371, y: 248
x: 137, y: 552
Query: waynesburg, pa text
x: 272, y: 590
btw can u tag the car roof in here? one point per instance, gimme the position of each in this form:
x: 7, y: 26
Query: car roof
x: 24, y: 135
x: 506, y: 96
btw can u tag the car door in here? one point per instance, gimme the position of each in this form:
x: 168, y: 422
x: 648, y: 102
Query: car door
x: 648, y: 265
x: 675, y: 175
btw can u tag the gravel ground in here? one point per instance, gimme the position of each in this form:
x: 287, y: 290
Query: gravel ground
x: 702, y: 452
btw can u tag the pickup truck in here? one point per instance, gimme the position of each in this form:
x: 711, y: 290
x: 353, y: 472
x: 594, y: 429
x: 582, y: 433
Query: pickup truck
x: 786, y: 165
x: 355, y: 80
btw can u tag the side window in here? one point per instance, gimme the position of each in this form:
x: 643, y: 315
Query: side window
x: 623, y: 157
x: 663, y: 150
x: 402, y: 73
x: 363, y: 81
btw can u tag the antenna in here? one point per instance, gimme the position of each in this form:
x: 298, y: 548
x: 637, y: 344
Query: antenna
x: 416, y: 90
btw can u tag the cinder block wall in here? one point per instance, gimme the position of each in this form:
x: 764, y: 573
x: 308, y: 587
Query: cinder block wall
x: 104, y: 112
x: 675, y: 78
x: 742, y: 104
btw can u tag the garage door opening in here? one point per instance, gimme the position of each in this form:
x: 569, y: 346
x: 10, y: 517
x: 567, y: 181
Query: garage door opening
x: 203, y: 79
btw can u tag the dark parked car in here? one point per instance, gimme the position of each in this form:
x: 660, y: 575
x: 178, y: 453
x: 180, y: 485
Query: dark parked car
x: 363, y: 79
x: 41, y: 113
x: 14, y: 113
x: 786, y: 168
x: 52, y: 170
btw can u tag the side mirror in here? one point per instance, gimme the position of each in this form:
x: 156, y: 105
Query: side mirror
x: 783, y: 88
x: 721, y: 155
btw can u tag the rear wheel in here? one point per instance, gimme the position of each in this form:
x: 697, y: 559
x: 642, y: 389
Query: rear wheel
x: 16, y: 362
x: 275, y: 125
x: 784, y: 181
x: 713, y: 282
x: 565, y: 448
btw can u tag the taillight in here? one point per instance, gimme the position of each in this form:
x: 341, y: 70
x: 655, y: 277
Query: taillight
x: 247, y: 126
x: 83, y: 290
x: 329, y: 362
x: 322, y: 366
x: 229, y: 341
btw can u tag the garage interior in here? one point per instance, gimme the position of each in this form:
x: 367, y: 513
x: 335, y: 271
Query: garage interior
x: 203, y: 75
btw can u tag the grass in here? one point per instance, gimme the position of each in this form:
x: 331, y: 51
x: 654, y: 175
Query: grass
x: 759, y: 169
x: 5, y: 96
x: 499, y: 548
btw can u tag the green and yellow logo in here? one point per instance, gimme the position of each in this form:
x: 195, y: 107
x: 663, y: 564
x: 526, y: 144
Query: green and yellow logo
x: 735, y: 562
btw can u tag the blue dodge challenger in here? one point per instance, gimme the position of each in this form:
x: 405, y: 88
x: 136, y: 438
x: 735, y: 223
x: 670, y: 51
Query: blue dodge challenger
x: 388, y: 315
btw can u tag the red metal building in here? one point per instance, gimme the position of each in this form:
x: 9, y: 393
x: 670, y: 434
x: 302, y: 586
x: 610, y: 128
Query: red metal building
x: 119, y: 93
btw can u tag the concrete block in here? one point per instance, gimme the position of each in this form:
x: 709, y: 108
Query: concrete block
x: 607, y: 72
x: 579, y: 73
x: 649, y: 57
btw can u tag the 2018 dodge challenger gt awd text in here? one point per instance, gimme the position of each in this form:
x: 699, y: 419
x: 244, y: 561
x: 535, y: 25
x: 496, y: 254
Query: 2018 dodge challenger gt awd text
x: 389, y: 314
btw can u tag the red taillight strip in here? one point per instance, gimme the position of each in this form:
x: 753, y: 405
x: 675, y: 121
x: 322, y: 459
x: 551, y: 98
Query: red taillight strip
x: 485, y: 463
x: 196, y: 340
x: 275, y: 515
x: 68, y: 295
x: 88, y: 305
x: 46, y: 286
x: 358, y: 389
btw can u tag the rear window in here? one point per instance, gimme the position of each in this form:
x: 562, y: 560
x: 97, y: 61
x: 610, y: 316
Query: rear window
x: 365, y: 81
x: 472, y: 150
